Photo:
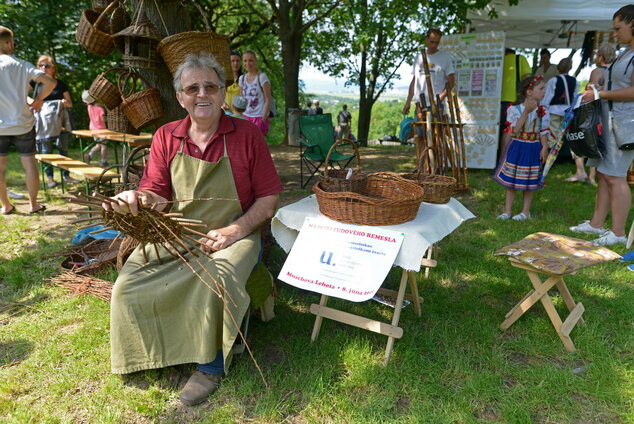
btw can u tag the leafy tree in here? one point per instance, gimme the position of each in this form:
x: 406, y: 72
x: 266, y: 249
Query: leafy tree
x: 366, y: 41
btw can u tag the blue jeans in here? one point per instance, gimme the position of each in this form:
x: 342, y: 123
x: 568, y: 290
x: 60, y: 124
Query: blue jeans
x: 217, y: 366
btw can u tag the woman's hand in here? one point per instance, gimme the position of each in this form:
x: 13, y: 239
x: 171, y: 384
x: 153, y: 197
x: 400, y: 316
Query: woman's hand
x: 588, y: 95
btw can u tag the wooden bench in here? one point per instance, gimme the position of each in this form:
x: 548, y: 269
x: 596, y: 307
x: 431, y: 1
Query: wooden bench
x: 90, y: 173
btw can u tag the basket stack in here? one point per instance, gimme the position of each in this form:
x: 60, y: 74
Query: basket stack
x: 333, y: 180
x: 117, y: 121
x: 387, y: 200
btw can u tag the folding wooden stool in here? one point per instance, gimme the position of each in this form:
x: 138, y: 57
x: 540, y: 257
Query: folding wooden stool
x: 540, y: 293
x: 554, y: 256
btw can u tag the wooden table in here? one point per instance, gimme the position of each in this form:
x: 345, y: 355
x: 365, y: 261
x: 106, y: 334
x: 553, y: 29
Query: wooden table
x: 431, y: 225
x: 128, y: 140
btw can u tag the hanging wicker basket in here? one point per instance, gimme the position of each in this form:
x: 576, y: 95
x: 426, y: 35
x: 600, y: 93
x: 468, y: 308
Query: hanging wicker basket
x: 105, y: 92
x: 117, y: 121
x: 335, y: 179
x: 93, y: 31
x: 387, y: 200
x: 174, y: 48
x: 119, y: 20
x: 438, y: 188
x: 141, y: 107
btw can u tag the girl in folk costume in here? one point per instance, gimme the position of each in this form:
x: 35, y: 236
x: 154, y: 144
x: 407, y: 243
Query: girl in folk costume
x: 521, y: 164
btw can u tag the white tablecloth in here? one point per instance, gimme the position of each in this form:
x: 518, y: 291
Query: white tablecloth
x: 433, y: 223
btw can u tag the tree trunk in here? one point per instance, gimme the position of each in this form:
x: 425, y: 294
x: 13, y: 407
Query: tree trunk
x: 365, y: 107
x: 291, y: 37
x: 175, y: 17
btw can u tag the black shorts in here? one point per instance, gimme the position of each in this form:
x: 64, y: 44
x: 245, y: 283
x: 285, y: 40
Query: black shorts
x: 24, y: 143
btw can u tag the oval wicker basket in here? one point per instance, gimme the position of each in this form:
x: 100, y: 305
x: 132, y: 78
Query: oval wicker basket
x: 117, y: 121
x: 174, y: 48
x: 105, y: 92
x: 141, y: 107
x: 93, y: 32
x: 335, y: 179
x: 438, y: 188
x: 388, y: 200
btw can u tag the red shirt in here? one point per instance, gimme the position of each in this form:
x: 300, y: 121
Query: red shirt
x: 96, y: 115
x: 251, y: 164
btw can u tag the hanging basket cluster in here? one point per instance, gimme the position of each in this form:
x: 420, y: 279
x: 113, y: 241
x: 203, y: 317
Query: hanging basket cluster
x: 130, y: 101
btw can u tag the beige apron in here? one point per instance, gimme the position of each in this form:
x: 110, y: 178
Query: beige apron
x: 161, y: 313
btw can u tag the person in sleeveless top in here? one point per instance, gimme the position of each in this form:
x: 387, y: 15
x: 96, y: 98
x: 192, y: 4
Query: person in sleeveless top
x: 613, y: 192
x: 256, y: 88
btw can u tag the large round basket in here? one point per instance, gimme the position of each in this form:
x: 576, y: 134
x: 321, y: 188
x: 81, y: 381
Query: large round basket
x: 117, y: 121
x: 105, y: 92
x: 93, y: 32
x: 388, y: 200
x: 174, y: 48
x: 335, y: 179
x: 141, y: 107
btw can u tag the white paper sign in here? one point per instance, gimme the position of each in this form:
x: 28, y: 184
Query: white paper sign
x: 341, y: 260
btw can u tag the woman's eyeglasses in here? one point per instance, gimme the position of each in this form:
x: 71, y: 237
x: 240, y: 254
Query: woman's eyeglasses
x: 45, y: 66
x: 194, y: 89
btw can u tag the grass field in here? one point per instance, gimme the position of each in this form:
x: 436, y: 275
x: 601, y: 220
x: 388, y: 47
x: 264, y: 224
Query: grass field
x: 453, y: 364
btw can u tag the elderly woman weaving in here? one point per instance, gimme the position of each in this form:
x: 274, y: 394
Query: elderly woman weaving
x: 162, y: 313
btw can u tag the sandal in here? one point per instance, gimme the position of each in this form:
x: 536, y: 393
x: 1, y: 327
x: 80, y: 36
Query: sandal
x: 521, y: 216
x: 9, y: 212
x: 504, y: 216
x: 39, y: 210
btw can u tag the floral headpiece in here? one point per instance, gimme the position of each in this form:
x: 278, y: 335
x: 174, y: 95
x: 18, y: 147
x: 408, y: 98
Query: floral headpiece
x: 535, y: 80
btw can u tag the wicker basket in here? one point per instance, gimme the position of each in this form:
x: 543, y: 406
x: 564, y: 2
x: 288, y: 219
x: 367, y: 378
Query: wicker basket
x: 174, y: 48
x: 141, y: 107
x: 438, y: 188
x: 117, y: 121
x: 93, y: 32
x: 335, y: 179
x: 105, y: 92
x: 388, y: 200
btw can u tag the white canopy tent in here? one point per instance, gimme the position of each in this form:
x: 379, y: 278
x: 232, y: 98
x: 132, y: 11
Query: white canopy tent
x: 546, y: 23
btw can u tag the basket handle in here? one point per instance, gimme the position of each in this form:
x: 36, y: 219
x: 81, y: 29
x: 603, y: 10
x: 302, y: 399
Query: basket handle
x: 121, y: 84
x: 116, y: 68
x: 202, y: 13
x: 105, y: 11
x: 334, y: 147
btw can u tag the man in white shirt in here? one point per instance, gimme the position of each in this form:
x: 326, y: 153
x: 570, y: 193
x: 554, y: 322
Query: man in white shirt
x: 441, y: 71
x: 16, y: 118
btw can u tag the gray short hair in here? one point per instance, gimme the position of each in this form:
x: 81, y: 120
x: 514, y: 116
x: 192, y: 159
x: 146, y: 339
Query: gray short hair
x: 608, y: 52
x: 204, y: 60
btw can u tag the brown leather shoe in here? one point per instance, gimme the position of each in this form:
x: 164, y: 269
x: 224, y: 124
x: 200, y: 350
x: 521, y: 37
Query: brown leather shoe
x: 199, y: 387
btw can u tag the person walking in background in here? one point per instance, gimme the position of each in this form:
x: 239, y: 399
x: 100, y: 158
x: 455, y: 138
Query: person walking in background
x: 234, y: 89
x: 318, y: 109
x: 16, y: 118
x: 97, y: 116
x: 344, y: 119
x: 547, y: 69
x: 613, y: 192
x: 560, y: 93
x: 441, y: 72
x: 52, y: 123
x: 256, y: 88
x: 521, y: 164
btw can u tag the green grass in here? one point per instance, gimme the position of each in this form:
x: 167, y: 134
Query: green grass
x: 453, y: 365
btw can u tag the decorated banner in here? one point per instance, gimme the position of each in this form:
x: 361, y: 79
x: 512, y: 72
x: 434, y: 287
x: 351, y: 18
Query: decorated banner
x: 341, y: 260
x: 479, y: 62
